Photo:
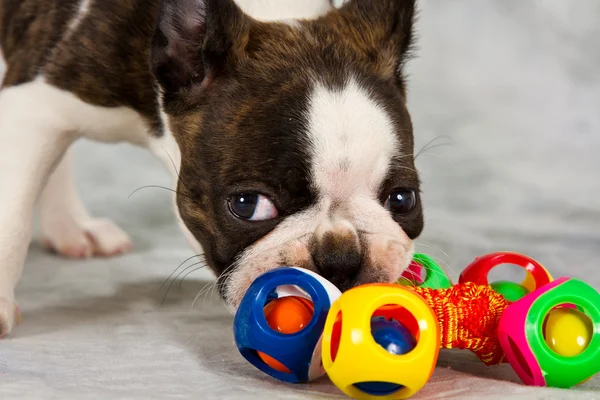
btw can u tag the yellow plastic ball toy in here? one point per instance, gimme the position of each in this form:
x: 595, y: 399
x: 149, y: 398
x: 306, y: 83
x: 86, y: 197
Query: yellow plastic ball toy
x: 354, y: 360
x: 568, y: 331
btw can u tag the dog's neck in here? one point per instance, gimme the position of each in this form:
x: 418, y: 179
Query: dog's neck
x: 284, y: 10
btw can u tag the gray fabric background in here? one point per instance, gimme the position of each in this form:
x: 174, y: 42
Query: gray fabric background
x: 514, y: 86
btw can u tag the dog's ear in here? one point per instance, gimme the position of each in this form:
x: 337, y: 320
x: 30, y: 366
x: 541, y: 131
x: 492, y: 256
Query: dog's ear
x: 380, y: 27
x: 196, y: 41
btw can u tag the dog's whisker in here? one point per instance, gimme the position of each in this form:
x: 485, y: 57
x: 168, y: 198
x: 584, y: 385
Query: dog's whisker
x: 413, y: 274
x: 178, y: 193
x: 223, y: 282
x: 411, y: 283
x: 429, y: 144
x: 407, y: 168
x: 187, y: 274
x: 225, y: 275
x: 172, y: 162
x: 445, y: 264
x: 177, y: 276
x: 180, y: 285
x: 228, y: 275
x: 209, y: 293
x: 151, y: 186
x: 403, y: 156
x: 435, y: 146
x: 438, y: 273
x: 433, y: 246
x: 447, y: 269
x: 179, y: 179
x: 442, y: 158
x: 200, y: 293
x: 179, y: 266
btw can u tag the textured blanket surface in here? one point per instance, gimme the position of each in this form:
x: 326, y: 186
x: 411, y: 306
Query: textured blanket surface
x: 512, y: 86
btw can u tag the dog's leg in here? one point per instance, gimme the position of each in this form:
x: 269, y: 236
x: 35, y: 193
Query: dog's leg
x: 33, y: 136
x: 66, y: 225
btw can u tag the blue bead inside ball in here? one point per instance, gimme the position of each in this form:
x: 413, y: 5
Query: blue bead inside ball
x: 396, y: 339
x: 378, y: 388
x: 392, y: 335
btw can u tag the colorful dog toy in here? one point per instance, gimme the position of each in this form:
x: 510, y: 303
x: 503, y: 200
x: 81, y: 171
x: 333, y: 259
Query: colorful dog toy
x: 287, y: 347
x: 361, y: 367
x: 468, y: 316
x: 477, y: 272
x: 525, y: 339
x: 435, y: 276
x: 382, y: 340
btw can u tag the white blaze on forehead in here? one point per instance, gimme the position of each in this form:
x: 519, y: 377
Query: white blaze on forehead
x: 284, y: 10
x: 352, y: 142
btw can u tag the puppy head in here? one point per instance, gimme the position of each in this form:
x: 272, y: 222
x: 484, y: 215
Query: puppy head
x: 297, y: 146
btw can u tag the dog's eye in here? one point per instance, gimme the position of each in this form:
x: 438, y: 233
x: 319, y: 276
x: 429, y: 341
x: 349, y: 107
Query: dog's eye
x: 401, y: 201
x: 252, y: 207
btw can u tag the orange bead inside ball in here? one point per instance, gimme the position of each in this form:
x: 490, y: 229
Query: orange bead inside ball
x: 286, y: 315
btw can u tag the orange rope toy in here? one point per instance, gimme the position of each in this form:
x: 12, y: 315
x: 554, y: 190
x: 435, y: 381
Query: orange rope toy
x: 468, y: 316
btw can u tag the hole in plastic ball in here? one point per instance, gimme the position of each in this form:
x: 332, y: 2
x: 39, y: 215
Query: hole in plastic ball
x: 567, y: 331
x: 504, y: 278
x: 286, y: 315
x: 336, y: 335
x: 289, y: 309
x: 414, y: 275
x: 520, y: 358
x: 401, y: 315
x: 392, y: 335
x: 378, y: 388
x: 273, y: 362
x: 510, y: 290
x: 507, y: 272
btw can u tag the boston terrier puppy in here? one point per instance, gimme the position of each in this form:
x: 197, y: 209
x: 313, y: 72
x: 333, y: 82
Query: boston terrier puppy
x: 284, y: 123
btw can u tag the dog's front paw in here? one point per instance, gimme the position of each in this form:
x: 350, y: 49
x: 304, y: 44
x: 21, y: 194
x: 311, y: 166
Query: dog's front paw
x: 10, y: 316
x: 95, y: 237
x: 106, y: 237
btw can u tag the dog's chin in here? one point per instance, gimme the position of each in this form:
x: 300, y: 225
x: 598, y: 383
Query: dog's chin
x: 388, y: 258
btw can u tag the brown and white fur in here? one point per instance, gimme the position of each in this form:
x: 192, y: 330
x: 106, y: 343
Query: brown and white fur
x: 299, y: 106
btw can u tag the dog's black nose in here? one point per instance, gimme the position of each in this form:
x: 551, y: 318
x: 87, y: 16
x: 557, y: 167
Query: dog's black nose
x: 338, y: 258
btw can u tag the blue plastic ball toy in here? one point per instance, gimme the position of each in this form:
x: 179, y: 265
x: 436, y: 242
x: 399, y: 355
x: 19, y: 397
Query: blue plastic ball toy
x: 300, y: 352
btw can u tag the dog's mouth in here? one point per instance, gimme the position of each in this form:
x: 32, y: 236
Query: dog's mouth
x: 387, y: 261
